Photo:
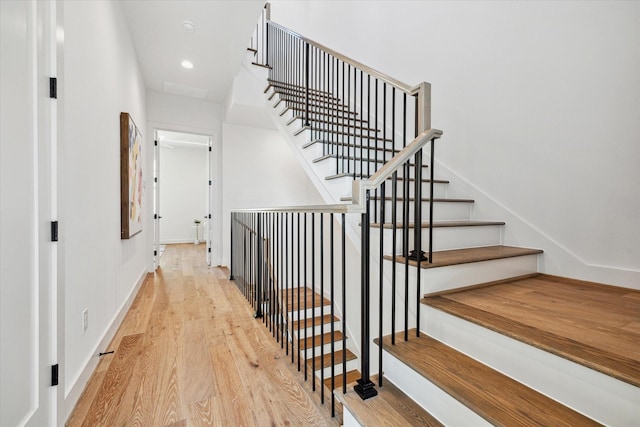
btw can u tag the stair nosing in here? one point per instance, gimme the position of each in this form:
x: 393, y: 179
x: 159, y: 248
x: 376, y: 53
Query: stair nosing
x: 485, y: 403
x: 514, y: 252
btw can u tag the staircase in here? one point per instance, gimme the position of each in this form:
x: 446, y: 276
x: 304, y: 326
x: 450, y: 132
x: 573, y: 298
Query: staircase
x: 474, y: 335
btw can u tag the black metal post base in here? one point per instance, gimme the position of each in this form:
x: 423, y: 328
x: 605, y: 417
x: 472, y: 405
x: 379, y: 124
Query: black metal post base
x: 257, y: 314
x: 365, y: 390
x: 232, y: 278
x: 417, y: 255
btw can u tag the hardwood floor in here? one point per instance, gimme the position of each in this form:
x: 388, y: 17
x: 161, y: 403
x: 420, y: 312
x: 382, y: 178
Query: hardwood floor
x: 189, y: 353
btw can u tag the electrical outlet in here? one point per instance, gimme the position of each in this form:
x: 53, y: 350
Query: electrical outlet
x: 85, y: 320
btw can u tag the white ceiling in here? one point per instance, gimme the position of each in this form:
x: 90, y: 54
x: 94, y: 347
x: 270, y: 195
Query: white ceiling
x: 216, y: 47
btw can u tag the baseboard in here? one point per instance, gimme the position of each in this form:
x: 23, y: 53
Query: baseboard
x: 75, y: 391
x: 179, y: 241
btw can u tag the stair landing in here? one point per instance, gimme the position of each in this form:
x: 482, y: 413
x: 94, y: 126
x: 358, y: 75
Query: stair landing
x: 595, y: 325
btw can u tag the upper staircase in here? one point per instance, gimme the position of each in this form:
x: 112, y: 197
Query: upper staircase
x: 468, y: 333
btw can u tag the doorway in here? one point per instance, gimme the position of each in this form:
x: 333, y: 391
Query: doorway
x: 182, y: 191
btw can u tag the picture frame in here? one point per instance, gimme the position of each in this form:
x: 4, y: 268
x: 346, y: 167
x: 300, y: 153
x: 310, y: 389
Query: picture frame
x: 131, y: 184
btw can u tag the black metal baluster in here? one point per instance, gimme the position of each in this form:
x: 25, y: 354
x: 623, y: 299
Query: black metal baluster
x: 321, y: 307
x: 313, y: 301
x: 306, y: 77
x: 333, y: 332
x: 344, y: 304
x: 380, y: 283
x: 285, y: 284
x: 394, y: 221
x: 365, y: 388
x: 298, y: 292
x: 306, y: 337
x: 405, y: 225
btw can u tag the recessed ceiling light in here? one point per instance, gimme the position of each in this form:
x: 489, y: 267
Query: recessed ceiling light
x: 187, y: 64
x: 188, y: 26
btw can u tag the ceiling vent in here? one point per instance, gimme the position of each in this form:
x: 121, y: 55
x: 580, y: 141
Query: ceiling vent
x: 192, y: 92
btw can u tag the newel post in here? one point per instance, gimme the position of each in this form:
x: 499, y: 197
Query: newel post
x: 424, y: 107
x: 365, y: 387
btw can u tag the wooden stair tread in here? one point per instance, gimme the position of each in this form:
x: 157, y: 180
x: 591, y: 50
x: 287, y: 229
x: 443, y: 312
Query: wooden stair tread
x: 579, y: 321
x: 442, y: 224
x: 310, y: 321
x: 335, y: 122
x: 272, y: 83
x: 492, y: 395
x: 316, y: 103
x: 469, y: 255
x: 319, y: 340
x: 312, y: 110
x: 436, y: 199
x: 352, y: 376
x: 390, y: 407
x: 425, y: 199
x: 324, y: 361
x: 291, y: 297
x: 350, y: 175
x: 350, y: 146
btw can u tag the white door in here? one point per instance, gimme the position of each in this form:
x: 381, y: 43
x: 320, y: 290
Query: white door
x: 156, y: 200
x: 28, y: 257
x: 209, y: 216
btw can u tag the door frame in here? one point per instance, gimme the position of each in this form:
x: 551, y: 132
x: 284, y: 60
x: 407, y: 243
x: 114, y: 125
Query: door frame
x: 213, y: 194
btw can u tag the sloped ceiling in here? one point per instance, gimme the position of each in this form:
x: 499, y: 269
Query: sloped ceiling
x: 216, y: 47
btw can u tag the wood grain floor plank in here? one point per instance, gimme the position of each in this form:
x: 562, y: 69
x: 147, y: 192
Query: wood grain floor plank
x: 192, y: 360
x: 115, y: 382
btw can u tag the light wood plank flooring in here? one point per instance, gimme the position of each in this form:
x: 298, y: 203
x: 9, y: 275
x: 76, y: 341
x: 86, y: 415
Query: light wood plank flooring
x: 189, y: 353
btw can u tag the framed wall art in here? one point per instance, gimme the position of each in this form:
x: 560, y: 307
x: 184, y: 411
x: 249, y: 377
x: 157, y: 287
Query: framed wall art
x: 130, y: 177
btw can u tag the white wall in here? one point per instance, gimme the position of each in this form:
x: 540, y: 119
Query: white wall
x: 183, y: 192
x: 182, y: 114
x: 538, y: 101
x: 260, y: 171
x: 102, y: 79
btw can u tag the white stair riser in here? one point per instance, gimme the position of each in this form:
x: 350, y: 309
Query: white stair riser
x: 348, y: 420
x: 308, y: 354
x: 598, y: 396
x: 442, y: 211
x: 351, y: 365
x: 310, y: 311
x: 337, y: 326
x: 457, y: 276
x: 444, y: 238
x: 441, y: 405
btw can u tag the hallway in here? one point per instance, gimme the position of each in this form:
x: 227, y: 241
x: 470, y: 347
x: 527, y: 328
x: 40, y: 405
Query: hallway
x: 189, y: 353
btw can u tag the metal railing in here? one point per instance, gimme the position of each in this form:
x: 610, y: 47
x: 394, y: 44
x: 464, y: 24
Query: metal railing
x: 360, y: 116
x: 375, y: 129
x: 290, y: 264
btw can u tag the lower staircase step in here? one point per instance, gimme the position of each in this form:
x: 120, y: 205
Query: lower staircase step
x: 318, y: 340
x: 324, y: 361
x: 588, y: 323
x: 469, y: 255
x: 352, y: 376
x: 493, y: 396
x: 310, y: 322
x: 391, y: 407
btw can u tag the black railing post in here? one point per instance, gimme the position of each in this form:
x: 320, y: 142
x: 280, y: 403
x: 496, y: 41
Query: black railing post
x: 260, y: 269
x: 433, y: 143
x: 306, y: 84
x: 365, y: 387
